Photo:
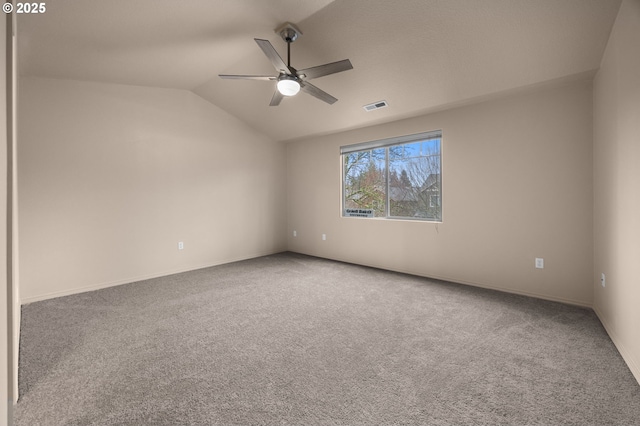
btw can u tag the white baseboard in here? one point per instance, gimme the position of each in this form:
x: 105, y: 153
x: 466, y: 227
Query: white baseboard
x: 129, y: 280
x: 632, y: 363
x: 575, y: 302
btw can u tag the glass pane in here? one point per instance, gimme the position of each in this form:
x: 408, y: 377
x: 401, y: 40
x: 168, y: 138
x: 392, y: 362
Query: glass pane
x: 364, y: 180
x: 414, y: 180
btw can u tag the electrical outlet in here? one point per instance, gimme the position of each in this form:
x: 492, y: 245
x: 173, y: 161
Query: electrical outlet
x: 324, y: 237
x: 539, y: 263
x: 603, y: 280
x: 180, y: 245
x: 295, y: 233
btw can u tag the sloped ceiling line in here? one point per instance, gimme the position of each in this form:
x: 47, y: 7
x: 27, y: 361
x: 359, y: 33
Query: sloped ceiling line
x: 416, y: 54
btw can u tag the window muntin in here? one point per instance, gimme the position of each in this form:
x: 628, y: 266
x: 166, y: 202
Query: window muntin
x: 396, y: 178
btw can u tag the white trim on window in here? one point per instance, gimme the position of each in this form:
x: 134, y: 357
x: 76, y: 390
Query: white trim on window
x: 436, y: 134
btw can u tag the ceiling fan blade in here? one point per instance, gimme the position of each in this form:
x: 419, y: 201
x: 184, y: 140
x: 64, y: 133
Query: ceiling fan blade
x: 320, y: 94
x: 326, y: 69
x: 273, y: 56
x: 248, y: 77
x: 276, y: 99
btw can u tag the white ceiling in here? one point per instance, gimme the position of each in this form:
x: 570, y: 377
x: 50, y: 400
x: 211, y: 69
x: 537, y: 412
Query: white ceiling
x: 418, y: 55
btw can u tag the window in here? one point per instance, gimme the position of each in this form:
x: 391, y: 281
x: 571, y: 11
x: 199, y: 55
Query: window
x: 397, y: 178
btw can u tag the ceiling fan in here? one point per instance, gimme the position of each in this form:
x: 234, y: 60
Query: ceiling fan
x: 290, y: 80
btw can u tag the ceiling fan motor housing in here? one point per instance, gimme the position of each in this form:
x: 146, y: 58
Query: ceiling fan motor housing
x: 289, y: 32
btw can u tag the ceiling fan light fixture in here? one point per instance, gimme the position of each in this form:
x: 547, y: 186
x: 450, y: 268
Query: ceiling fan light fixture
x: 288, y: 86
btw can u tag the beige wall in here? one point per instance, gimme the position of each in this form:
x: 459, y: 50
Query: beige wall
x: 10, y: 312
x: 617, y: 185
x: 4, y: 303
x: 111, y: 177
x: 517, y: 184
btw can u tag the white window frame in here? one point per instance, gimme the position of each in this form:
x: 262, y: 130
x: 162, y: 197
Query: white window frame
x: 387, y: 143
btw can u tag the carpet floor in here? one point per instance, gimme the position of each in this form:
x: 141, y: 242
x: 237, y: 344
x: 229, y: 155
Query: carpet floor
x: 293, y: 339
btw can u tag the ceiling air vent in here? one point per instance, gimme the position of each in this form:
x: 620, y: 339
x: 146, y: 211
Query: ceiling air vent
x: 375, y: 105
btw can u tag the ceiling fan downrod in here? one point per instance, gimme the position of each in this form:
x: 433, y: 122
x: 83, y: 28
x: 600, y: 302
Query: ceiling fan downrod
x: 289, y: 34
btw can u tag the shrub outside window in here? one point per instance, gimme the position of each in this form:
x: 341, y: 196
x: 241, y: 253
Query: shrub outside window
x: 397, y: 178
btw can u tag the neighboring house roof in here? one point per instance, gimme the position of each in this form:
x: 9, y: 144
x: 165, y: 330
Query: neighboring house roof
x: 397, y: 193
x: 402, y: 193
x: 432, y: 180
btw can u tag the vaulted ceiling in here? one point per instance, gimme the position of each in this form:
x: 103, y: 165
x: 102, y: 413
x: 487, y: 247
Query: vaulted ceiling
x: 418, y: 55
